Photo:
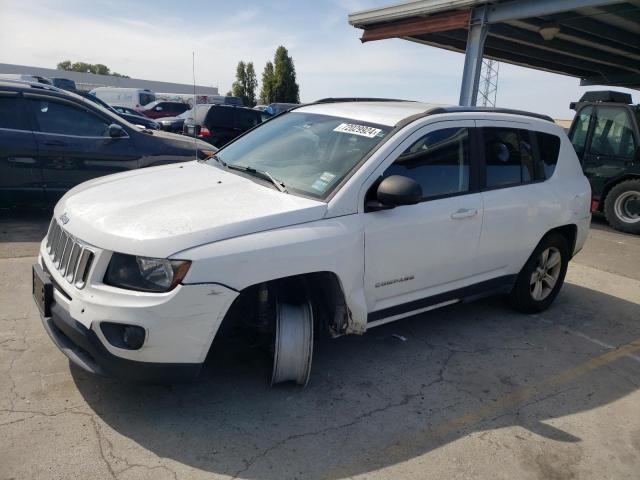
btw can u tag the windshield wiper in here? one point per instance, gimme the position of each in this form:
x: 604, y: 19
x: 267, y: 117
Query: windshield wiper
x: 217, y: 159
x: 258, y: 173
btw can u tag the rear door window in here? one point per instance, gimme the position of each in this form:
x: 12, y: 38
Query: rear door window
x: 11, y: 115
x: 63, y: 118
x: 508, y: 157
x: 613, y: 133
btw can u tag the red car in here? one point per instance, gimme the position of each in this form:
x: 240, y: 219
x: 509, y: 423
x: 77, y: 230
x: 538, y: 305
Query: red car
x: 162, y: 108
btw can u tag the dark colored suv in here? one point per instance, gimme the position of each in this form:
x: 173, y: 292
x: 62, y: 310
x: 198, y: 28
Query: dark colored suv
x: 52, y: 140
x: 161, y: 108
x: 219, y: 124
x: 606, y: 136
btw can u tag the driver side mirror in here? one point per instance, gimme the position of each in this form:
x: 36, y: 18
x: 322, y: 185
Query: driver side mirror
x: 395, y: 191
x: 115, y: 131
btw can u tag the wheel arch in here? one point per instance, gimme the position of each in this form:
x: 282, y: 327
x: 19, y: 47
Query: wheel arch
x: 324, y: 289
x: 569, y: 232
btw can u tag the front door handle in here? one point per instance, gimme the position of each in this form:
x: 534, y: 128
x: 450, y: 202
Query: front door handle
x: 464, y: 213
x: 56, y: 143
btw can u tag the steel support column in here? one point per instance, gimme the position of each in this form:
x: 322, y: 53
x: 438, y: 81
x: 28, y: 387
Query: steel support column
x: 478, y: 29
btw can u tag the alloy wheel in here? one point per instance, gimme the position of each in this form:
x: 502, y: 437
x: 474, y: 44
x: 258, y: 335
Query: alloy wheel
x: 546, y: 274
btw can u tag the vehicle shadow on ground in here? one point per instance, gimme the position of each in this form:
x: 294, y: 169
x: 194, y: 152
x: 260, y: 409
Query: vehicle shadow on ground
x: 398, y: 392
x: 22, y: 229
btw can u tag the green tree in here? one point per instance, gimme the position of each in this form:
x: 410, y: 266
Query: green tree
x: 285, y: 88
x: 84, y: 67
x: 101, y: 69
x: 251, y: 84
x: 268, y: 79
x: 245, y: 84
x: 239, y: 87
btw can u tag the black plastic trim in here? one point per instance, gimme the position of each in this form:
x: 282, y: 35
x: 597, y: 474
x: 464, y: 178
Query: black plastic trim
x: 495, y: 285
x: 83, y: 347
x: 356, y: 99
x: 460, y: 109
x: 213, y: 283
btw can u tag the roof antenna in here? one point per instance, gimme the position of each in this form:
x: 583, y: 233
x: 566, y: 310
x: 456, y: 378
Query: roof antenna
x: 193, y: 108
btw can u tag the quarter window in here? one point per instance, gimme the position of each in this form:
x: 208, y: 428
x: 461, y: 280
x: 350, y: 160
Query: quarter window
x: 62, y: 118
x: 508, y: 157
x: 549, y: 150
x: 439, y: 162
x: 613, y: 134
x: 10, y: 114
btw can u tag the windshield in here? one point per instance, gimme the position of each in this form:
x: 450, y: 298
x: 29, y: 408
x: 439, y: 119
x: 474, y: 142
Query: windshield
x: 309, y: 153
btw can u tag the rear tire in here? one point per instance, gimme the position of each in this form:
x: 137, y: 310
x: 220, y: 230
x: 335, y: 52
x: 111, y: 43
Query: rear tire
x: 542, y: 276
x: 622, y: 206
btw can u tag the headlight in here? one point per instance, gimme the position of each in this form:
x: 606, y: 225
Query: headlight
x: 145, y: 274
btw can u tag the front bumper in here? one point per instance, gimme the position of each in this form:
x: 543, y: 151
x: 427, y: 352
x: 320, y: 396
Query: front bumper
x: 179, y: 325
x: 83, y: 347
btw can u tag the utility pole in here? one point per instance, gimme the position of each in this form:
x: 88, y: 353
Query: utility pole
x: 488, y: 90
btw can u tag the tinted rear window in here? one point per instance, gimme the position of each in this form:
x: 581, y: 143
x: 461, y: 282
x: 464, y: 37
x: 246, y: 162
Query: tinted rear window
x: 246, y: 119
x: 220, y: 117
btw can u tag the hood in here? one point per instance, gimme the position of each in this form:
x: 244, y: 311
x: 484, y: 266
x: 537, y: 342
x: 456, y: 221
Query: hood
x: 180, y: 140
x: 159, y: 211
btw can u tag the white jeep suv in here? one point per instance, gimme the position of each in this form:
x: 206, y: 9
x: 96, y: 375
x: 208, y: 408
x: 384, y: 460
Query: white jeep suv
x: 333, y: 218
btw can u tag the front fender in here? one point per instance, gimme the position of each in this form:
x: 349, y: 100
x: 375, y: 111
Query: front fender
x: 331, y: 245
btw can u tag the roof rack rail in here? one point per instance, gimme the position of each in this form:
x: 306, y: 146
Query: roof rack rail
x: 358, y: 99
x: 454, y: 109
x: 42, y: 86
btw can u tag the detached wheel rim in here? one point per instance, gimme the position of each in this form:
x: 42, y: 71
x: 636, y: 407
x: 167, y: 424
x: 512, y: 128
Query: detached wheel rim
x: 627, y: 207
x: 545, y: 276
x: 293, y: 349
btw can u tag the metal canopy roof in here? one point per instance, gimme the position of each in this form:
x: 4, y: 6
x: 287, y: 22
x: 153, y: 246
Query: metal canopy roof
x: 597, y: 41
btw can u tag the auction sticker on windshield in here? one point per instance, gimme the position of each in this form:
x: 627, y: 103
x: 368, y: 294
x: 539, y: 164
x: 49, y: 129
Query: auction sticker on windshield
x: 354, y: 129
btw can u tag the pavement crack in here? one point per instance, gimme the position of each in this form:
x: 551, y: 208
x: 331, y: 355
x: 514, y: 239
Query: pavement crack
x: 250, y: 462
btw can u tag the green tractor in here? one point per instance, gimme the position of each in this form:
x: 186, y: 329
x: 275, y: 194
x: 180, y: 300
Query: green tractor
x: 606, y: 136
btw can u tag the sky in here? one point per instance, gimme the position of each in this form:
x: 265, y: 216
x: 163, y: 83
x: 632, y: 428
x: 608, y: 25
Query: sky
x: 155, y: 40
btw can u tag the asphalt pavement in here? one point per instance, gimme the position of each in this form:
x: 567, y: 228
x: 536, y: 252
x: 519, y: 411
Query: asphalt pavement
x: 468, y: 391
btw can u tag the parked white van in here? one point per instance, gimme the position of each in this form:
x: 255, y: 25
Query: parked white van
x: 330, y: 219
x: 124, y: 97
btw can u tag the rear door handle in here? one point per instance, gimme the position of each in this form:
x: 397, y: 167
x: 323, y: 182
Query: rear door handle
x: 464, y: 213
x: 56, y: 143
